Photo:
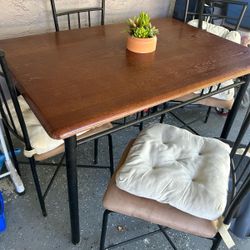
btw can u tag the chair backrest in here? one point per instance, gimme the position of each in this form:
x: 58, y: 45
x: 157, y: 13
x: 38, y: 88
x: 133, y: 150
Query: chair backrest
x: 9, y: 105
x: 239, y: 185
x: 215, y: 11
x: 211, y: 11
x: 77, y: 14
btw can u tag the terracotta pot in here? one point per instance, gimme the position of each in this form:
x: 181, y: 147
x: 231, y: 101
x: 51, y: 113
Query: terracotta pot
x: 141, y: 45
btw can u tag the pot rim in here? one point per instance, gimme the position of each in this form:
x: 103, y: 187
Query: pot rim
x: 142, y: 39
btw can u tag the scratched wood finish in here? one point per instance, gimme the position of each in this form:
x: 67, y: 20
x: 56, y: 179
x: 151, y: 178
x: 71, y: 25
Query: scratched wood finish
x: 77, y: 79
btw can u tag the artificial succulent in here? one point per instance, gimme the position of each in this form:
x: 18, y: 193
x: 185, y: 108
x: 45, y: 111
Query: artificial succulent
x: 141, y: 27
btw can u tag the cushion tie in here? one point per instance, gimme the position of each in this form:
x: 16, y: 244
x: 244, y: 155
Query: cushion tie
x: 223, y: 231
x: 29, y: 153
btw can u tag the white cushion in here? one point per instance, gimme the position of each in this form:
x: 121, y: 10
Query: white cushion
x: 220, y: 31
x: 171, y: 165
x: 40, y: 141
x: 211, y: 28
x: 233, y: 36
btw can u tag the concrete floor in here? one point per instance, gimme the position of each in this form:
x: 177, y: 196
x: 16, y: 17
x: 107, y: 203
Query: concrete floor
x: 28, y: 229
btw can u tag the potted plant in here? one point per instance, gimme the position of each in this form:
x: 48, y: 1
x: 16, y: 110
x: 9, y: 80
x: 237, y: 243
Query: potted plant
x: 142, y: 35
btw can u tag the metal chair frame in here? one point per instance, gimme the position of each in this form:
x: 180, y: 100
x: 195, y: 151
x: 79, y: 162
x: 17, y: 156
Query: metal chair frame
x: 210, y: 5
x: 210, y: 17
x: 10, y: 128
x: 240, y: 176
x: 77, y: 12
x: 69, y: 13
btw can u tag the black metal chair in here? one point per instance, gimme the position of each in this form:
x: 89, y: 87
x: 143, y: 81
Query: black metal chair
x: 119, y: 201
x: 14, y: 111
x: 216, y: 10
x: 210, y: 11
x: 77, y: 13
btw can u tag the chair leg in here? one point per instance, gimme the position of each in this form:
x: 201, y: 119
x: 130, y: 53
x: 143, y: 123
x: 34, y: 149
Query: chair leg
x: 96, y: 151
x: 37, y: 186
x: 207, y: 114
x: 141, y: 123
x: 165, y: 105
x: 167, y: 237
x: 162, y: 118
x: 104, y: 229
x: 53, y: 177
x: 111, y: 157
x: 154, y: 109
x: 216, y: 242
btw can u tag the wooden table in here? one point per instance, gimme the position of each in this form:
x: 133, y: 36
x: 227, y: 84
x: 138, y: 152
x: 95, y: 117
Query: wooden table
x: 77, y: 79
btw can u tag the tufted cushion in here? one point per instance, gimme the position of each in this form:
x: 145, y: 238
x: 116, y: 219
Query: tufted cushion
x: 233, y: 36
x: 155, y: 212
x: 40, y: 141
x: 171, y: 165
x: 220, y: 31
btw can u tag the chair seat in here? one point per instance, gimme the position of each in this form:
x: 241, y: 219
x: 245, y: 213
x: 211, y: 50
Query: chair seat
x: 43, y: 145
x: 173, y: 166
x: 224, y: 99
x: 125, y: 203
x: 60, y: 149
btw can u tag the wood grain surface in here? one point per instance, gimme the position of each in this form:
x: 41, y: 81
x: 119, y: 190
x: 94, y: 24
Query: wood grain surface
x: 77, y: 79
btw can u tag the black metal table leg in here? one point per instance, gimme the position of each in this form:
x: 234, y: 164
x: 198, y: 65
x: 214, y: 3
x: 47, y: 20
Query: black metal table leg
x: 235, y: 108
x: 70, y: 152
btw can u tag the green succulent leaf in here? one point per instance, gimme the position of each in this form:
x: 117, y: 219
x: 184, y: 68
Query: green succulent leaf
x: 141, y: 26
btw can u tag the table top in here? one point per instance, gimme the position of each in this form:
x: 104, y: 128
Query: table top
x: 77, y: 79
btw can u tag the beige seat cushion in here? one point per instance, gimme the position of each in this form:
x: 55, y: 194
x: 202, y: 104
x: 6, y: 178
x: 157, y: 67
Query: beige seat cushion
x: 217, y: 30
x: 122, y: 202
x: 43, y: 145
x: 225, y: 98
x: 174, y: 166
x: 60, y: 149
